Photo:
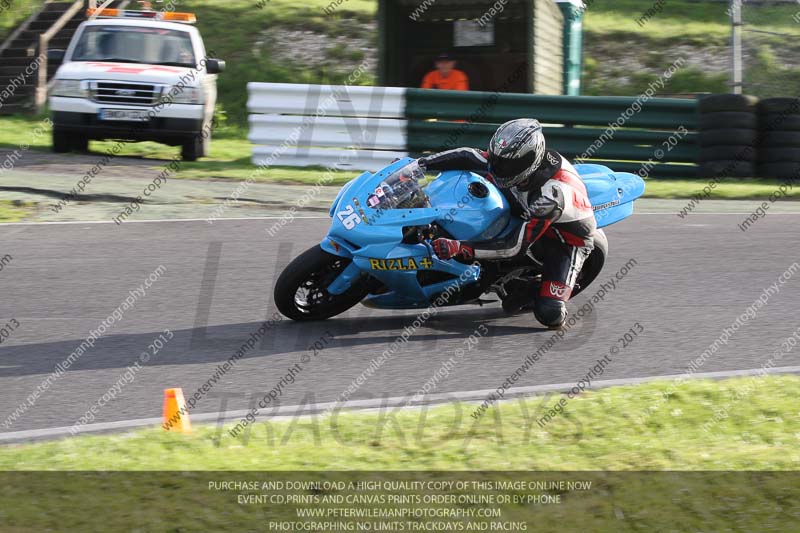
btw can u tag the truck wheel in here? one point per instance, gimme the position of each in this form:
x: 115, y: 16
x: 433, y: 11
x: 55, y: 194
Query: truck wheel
x: 62, y: 142
x: 191, y: 150
x: 80, y: 143
x: 196, y: 146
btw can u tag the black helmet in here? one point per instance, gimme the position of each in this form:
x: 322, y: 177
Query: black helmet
x: 516, y: 150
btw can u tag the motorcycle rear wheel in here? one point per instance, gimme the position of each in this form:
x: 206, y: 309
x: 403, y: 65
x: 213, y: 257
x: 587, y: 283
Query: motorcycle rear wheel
x: 523, y: 296
x: 301, y: 290
x: 593, y: 264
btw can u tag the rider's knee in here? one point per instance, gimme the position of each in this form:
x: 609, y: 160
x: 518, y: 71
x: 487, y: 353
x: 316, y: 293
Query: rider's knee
x: 550, y: 312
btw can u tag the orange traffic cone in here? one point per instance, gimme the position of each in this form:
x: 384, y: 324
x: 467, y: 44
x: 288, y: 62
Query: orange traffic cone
x: 176, y: 416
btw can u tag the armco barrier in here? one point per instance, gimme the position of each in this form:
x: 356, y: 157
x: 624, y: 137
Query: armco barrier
x: 572, y: 125
x: 356, y: 128
x: 302, y: 125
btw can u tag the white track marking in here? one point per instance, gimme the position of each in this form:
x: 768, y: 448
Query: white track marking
x: 57, y: 223
x: 393, y: 402
x: 157, y: 220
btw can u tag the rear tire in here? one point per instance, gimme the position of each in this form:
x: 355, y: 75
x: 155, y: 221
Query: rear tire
x: 779, y: 154
x: 301, y: 290
x: 727, y: 169
x: 781, y: 138
x: 727, y: 102
x: 729, y: 152
x: 728, y: 120
x: 593, y: 264
x: 779, y: 122
x: 785, y: 170
x: 789, y: 106
x: 727, y: 137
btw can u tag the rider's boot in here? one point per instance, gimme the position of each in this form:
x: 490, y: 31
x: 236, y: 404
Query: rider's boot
x: 520, y: 296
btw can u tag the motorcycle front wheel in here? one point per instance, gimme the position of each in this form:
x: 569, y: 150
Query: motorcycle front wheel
x: 301, y: 290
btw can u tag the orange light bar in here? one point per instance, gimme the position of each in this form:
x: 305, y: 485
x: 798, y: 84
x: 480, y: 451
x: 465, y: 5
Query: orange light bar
x: 102, y: 12
x: 188, y: 18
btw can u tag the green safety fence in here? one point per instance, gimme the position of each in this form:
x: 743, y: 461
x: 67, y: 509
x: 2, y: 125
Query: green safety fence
x: 659, y: 134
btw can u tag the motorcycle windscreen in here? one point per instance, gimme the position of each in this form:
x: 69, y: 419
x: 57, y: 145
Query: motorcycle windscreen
x: 399, y: 190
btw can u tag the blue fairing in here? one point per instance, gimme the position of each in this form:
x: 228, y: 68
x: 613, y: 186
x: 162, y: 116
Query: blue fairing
x: 373, y: 237
x: 611, y: 193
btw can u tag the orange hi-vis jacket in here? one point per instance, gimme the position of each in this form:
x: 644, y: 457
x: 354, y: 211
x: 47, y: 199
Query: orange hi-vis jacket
x: 457, y: 80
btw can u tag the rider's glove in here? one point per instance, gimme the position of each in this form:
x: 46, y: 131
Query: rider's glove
x: 448, y: 248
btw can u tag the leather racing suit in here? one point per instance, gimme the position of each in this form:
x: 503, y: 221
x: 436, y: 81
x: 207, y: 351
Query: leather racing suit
x: 558, y: 217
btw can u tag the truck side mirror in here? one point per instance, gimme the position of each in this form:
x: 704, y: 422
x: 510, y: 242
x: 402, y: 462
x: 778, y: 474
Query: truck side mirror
x: 215, y: 66
x: 55, y: 56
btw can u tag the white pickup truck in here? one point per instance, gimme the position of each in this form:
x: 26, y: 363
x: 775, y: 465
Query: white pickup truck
x: 135, y: 76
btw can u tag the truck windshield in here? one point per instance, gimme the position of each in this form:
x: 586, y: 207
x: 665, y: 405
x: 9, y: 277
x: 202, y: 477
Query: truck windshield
x: 135, y: 44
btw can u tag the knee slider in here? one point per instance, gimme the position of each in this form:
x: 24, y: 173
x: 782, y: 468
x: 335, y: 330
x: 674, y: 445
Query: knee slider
x: 550, y: 312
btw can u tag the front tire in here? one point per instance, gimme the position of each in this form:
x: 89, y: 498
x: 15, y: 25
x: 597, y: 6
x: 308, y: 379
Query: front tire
x: 80, y: 143
x: 196, y: 146
x: 62, y: 142
x: 301, y: 290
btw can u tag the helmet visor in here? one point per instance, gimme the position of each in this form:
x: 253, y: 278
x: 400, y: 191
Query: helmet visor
x: 505, y: 168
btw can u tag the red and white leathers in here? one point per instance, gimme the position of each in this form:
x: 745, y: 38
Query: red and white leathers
x: 559, y: 219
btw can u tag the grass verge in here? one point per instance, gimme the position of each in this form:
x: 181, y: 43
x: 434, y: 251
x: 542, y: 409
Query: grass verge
x: 731, y: 189
x: 686, y: 465
x: 680, y: 21
x: 12, y: 211
x: 230, y: 160
x: 603, y: 430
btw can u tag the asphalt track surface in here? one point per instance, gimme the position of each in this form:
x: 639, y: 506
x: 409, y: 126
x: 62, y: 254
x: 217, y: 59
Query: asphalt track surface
x: 692, y: 278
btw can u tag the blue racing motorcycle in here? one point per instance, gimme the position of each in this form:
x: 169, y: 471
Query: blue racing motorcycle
x: 378, y: 249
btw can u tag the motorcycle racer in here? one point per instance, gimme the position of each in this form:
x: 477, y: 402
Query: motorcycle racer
x: 544, y: 190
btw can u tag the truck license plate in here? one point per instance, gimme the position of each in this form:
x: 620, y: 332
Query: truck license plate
x: 128, y: 115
